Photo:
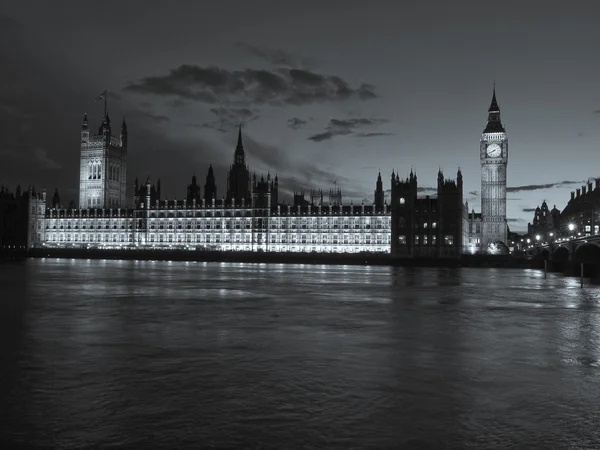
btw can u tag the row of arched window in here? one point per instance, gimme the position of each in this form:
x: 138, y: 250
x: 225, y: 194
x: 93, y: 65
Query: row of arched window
x: 95, y: 171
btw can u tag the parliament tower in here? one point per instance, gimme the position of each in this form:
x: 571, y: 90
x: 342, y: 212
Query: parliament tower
x: 103, y: 167
x: 494, y: 158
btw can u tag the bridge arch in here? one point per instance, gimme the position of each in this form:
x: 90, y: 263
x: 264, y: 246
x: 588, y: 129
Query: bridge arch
x: 560, y: 254
x: 587, y: 252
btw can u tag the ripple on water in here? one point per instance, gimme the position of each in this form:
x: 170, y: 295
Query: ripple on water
x: 172, y: 355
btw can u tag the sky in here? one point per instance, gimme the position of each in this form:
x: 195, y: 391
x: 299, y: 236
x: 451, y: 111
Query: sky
x: 327, y: 91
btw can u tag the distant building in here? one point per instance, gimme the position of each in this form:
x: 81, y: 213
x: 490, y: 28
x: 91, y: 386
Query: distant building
x: 430, y: 226
x: 546, y: 223
x: 18, y: 218
x: 581, y: 215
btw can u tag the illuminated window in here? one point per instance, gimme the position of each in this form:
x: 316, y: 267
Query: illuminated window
x: 449, y: 239
x: 402, y: 201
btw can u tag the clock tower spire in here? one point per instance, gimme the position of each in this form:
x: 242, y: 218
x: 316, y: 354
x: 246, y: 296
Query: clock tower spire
x: 493, y: 155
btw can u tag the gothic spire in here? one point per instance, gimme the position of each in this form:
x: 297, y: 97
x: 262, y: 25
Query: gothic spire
x: 239, y: 145
x: 239, y: 157
x: 494, y: 105
x: 494, y: 124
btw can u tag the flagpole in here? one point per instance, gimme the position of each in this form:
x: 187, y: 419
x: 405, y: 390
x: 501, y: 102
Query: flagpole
x: 105, y: 103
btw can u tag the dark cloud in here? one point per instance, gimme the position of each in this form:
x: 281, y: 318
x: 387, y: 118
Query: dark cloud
x: 14, y: 112
x: 367, y: 135
x: 177, y: 103
x: 295, y: 175
x: 427, y: 190
x: 250, y: 87
x: 343, y: 127
x: 296, y: 123
x: 277, y: 57
x: 528, y: 210
x: 147, y: 116
x: 236, y: 116
x: 535, y: 187
x: 229, y: 119
x: 474, y: 193
x: 597, y: 111
x: 113, y: 96
x: 515, y: 220
x: 319, y: 137
x: 42, y: 157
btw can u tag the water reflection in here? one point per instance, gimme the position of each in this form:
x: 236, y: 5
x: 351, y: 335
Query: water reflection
x: 145, y: 353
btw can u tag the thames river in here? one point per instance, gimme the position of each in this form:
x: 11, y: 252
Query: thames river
x: 253, y: 356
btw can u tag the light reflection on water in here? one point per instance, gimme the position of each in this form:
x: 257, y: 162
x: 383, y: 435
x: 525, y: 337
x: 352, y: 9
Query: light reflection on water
x: 176, y: 354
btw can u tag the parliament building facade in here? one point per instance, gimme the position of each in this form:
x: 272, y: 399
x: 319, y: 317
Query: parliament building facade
x: 251, y: 217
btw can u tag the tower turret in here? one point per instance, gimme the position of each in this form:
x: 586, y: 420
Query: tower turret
x: 238, y: 180
x: 239, y: 156
x: 124, y: 134
x: 56, y: 199
x: 210, y: 188
x: 379, y: 195
x: 85, y: 130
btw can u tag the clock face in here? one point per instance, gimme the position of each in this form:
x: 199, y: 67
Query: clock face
x: 493, y: 150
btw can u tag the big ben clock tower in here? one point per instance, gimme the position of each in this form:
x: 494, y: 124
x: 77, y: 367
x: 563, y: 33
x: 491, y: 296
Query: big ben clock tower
x: 494, y: 158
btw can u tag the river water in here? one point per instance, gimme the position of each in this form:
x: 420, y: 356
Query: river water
x: 232, y: 356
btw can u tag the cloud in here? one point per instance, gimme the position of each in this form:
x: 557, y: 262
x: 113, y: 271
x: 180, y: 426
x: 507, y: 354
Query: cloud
x: 528, y: 210
x: 113, y: 96
x: 597, y: 111
x: 367, y: 135
x: 177, y: 103
x: 294, y: 174
x: 296, y: 123
x: 42, y: 157
x: 14, y: 112
x: 474, y: 193
x: 515, y: 220
x: 536, y: 187
x: 148, y: 116
x: 277, y: 87
x: 229, y: 118
x: 277, y: 57
x: 342, y: 127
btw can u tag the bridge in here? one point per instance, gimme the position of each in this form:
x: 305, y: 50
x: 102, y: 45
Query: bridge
x: 570, y: 254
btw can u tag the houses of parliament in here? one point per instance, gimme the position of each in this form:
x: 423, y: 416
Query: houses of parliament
x: 251, y: 217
